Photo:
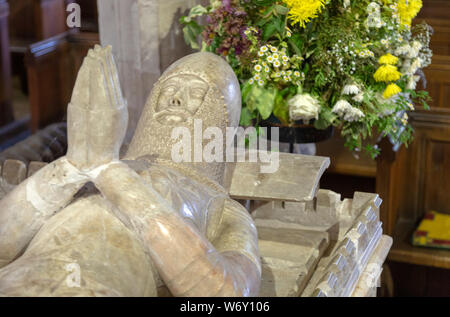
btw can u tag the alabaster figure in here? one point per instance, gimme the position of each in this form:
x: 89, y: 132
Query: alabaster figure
x: 149, y: 224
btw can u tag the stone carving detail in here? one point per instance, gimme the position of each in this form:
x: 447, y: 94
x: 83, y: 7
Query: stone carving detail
x: 180, y: 98
x: 157, y: 227
x: 143, y: 225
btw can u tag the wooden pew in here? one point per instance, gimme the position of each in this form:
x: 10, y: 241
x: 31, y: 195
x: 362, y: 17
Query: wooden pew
x: 52, y: 66
x: 6, y: 113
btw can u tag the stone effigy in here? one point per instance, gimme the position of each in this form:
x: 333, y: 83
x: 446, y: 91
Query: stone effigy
x: 153, y: 223
x: 89, y: 224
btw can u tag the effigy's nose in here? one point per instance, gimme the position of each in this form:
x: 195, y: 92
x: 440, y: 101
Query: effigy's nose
x: 175, y: 101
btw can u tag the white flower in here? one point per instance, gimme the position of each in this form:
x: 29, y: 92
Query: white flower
x: 345, y: 110
x: 341, y: 107
x: 350, y: 90
x: 412, y: 82
x: 303, y: 107
x: 416, y: 47
x: 359, y: 97
x: 374, y: 22
x: 403, y: 50
x: 346, y: 3
x: 409, y: 51
x: 373, y: 8
x: 415, y: 65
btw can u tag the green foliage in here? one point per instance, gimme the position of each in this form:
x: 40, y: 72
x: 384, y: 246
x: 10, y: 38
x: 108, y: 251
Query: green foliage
x: 326, y: 118
x: 191, y: 31
x: 281, y: 109
x: 247, y: 117
x: 261, y: 99
x: 336, y: 49
x: 273, y: 26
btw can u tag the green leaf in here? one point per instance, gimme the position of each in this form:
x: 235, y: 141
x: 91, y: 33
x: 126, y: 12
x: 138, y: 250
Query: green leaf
x: 275, y: 25
x: 245, y: 90
x: 295, y: 47
x: 196, y: 11
x: 326, y: 118
x: 281, y: 9
x: 246, y: 117
x: 269, y: 30
x: 191, y: 32
x: 263, y: 2
x: 281, y: 109
x: 306, y: 69
x: 262, y: 99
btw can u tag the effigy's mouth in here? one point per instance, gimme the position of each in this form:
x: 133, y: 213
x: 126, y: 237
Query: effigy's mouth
x: 171, y: 117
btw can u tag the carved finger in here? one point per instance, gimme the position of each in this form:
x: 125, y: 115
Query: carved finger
x: 109, y: 59
x: 106, y: 72
x: 77, y: 135
x: 107, y: 117
x: 80, y: 95
x: 77, y: 115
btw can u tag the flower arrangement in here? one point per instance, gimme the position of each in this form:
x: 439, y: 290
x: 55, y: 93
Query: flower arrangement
x: 352, y: 64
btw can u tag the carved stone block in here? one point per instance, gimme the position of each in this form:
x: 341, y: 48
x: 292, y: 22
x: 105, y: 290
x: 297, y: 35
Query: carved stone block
x: 249, y: 183
x: 14, y: 172
x: 33, y: 167
x: 288, y: 257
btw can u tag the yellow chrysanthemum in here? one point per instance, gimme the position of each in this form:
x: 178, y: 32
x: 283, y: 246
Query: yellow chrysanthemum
x: 387, y: 73
x: 408, y: 9
x: 391, y: 90
x: 388, y: 59
x: 302, y: 11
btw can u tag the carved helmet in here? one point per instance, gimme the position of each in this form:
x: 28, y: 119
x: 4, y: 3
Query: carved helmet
x: 201, y: 86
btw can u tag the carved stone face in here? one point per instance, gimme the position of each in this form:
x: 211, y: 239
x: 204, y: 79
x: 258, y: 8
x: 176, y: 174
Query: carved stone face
x: 198, y: 86
x: 180, y: 98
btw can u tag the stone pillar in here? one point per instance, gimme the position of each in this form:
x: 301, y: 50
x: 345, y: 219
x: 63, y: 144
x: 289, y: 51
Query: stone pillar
x: 146, y: 38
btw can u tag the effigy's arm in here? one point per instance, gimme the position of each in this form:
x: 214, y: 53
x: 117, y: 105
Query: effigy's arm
x: 97, y: 120
x: 26, y: 208
x: 188, y: 263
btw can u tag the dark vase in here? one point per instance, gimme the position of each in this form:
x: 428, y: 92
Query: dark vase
x: 299, y: 132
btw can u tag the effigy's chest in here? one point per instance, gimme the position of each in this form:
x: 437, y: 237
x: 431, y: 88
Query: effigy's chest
x: 194, y: 201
